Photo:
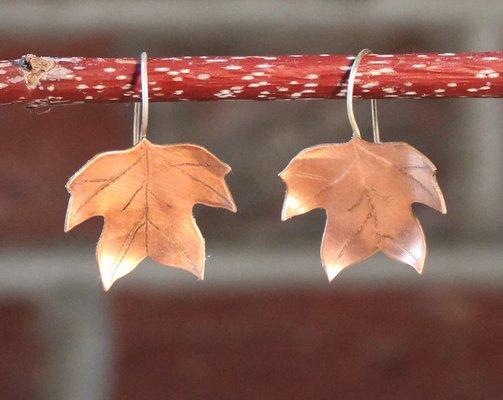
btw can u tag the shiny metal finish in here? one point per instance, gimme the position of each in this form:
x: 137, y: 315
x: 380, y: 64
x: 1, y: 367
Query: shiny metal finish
x: 140, y: 112
x: 367, y: 190
x: 146, y: 195
x: 349, y: 100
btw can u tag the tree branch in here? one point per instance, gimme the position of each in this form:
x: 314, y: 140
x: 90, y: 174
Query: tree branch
x: 43, y: 81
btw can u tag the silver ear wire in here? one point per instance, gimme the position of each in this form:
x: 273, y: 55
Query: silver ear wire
x: 349, y: 100
x: 375, y: 121
x: 141, y: 110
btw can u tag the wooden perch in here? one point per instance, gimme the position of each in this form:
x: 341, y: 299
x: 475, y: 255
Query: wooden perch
x: 43, y: 81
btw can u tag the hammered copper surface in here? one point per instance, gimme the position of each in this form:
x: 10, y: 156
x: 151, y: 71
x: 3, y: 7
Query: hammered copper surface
x: 367, y: 190
x: 146, y: 195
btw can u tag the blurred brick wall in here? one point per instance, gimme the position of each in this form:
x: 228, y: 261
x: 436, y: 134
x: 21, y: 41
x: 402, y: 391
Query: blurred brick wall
x: 20, y: 351
x: 436, y: 343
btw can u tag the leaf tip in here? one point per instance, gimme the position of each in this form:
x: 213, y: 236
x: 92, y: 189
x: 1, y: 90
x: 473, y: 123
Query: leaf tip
x: 111, y: 269
x: 443, y: 206
x: 232, y: 206
x: 284, y: 211
x: 292, y: 206
x: 419, y: 268
x: 68, y: 226
x: 417, y: 264
x: 106, y: 285
x: 332, y: 270
x: 199, y: 273
x: 107, y: 280
x: 284, y: 217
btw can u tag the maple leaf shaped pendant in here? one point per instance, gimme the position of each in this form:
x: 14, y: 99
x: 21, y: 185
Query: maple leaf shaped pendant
x: 146, y: 195
x: 367, y: 190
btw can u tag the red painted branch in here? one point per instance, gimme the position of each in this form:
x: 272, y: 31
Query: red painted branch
x: 37, y: 81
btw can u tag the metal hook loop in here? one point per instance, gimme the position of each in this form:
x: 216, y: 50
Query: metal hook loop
x: 140, y: 132
x: 349, y: 100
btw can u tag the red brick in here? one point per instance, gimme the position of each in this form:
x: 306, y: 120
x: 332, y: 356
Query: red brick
x: 402, y: 344
x: 20, y: 352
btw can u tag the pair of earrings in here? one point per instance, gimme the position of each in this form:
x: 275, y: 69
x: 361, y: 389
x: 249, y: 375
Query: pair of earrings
x: 146, y: 195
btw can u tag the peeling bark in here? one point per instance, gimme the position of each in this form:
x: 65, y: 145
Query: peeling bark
x: 35, y: 69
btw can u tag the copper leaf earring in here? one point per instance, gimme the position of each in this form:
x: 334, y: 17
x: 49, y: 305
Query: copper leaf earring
x: 367, y: 190
x: 146, y: 195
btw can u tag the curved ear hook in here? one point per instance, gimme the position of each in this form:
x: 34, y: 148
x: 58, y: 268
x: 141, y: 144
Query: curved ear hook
x: 349, y: 100
x: 140, y: 132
